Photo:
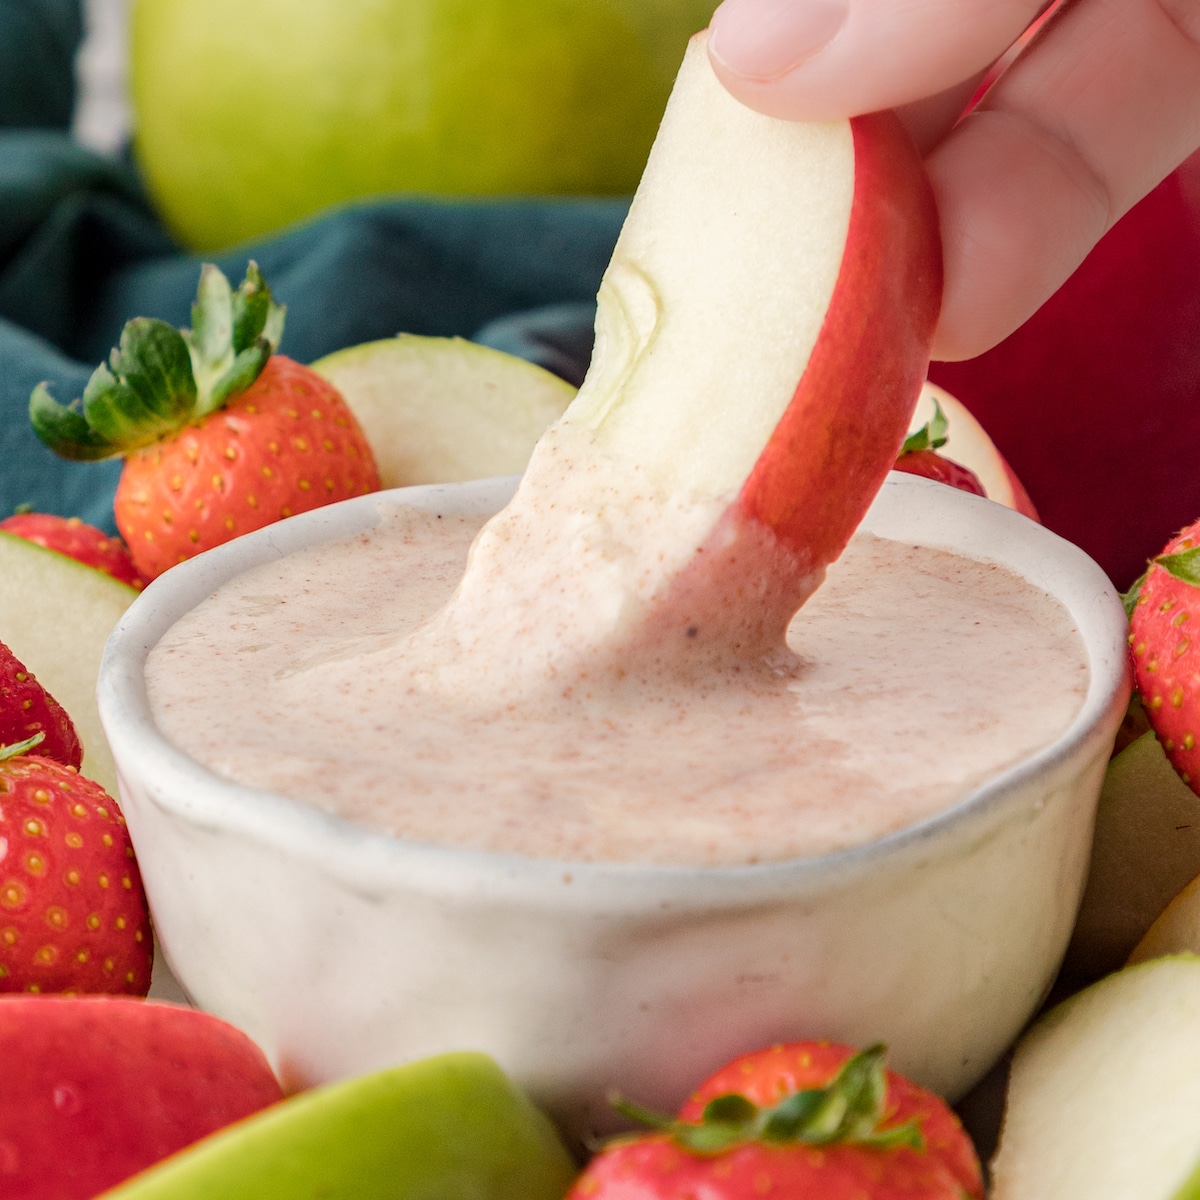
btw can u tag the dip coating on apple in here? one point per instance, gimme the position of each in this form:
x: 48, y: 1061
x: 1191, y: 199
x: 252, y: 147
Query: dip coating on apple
x: 762, y: 335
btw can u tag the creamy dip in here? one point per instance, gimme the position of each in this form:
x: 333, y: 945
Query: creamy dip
x: 908, y: 679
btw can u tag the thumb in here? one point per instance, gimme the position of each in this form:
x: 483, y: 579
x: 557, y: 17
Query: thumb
x: 825, y: 59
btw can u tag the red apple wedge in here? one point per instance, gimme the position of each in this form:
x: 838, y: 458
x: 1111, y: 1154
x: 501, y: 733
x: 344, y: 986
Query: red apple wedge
x: 96, y: 1089
x: 765, y: 322
x: 762, y: 336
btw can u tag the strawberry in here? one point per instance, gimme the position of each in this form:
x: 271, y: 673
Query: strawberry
x: 219, y: 437
x: 73, y: 916
x: 936, y: 466
x: 919, y: 456
x: 766, y: 1076
x: 809, y: 1121
x: 27, y: 709
x: 78, y: 540
x: 98, y: 1088
x: 1166, y: 666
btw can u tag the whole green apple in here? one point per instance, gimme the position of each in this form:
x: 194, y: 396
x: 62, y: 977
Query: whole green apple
x: 251, y: 114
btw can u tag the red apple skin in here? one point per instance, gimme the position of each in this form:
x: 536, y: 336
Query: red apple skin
x: 840, y: 433
x: 1095, y: 400
x: 844, y: 427
x: 1021, y: 500
x: 96, y: 1089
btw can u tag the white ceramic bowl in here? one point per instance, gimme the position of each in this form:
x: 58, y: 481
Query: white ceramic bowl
x: 340, y: 950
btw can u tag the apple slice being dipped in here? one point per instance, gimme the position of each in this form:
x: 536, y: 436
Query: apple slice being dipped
x: 764, y: 325
x: 762, y: 336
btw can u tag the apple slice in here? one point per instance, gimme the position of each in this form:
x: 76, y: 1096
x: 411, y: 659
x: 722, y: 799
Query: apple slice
x: 1176, y: 929
x: 446, y: 1127
x: 764, y: 325
x: 442, y: 410
x: 968, y: 443
x: 762, y: 335
x: 55, y: 616
x: 1146, y: 847
x: 1105, y: 1091
x: 97, y: 1089
x: 76, y: 539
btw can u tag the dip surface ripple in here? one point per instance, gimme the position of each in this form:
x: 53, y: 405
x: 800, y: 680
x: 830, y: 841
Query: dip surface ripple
x: 915, y: 675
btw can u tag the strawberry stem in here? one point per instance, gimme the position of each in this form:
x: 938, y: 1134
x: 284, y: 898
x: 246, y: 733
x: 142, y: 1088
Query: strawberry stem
x: 933, y: 435
x: 160, y: 379
x: 848, y: 1110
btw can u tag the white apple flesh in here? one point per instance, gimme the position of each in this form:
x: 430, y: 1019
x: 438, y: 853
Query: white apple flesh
x: 1176, y: 929
x: 1105, y: 1092
x: 443, y: 410
x: 764, y: 325
x: 1146, y: 848
x: 762, y: 335
x: 55, y: 616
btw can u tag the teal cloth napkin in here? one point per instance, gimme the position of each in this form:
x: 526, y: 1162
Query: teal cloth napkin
x: 38, y: 39
x: 81, y: 251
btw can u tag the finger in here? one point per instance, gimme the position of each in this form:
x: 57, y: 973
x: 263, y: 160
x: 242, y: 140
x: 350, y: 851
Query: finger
x: 929, y: 120
x: 1103, y: 106
x: 823, y: 59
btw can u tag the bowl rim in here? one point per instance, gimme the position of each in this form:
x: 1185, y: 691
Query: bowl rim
x: 367, y: 861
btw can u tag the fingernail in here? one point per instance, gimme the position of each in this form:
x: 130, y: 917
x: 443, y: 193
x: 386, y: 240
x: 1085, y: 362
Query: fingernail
x: 764, y: 39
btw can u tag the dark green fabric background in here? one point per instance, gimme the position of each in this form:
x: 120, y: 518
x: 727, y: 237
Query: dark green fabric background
x: 81, y: 252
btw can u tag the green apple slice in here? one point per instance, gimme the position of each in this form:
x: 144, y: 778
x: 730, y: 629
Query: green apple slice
x: 445, y: 1128
x: 1177, y: 929
x: 1147, y: 847
x: 1104, y: 1099
x: 444, y: 410
x: 55, y: 616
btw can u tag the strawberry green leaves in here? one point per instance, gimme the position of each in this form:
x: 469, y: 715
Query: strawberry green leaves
x: 849, y: 1110
x: 144, y: 392
x: 232, y: 335
x: 933, y: 435
x: 160, y: 379
x: 146, y: 389
x: 1130, y: 598
x: 1183, y: 565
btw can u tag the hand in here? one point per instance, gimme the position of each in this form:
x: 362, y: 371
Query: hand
x: 1103, y: 104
